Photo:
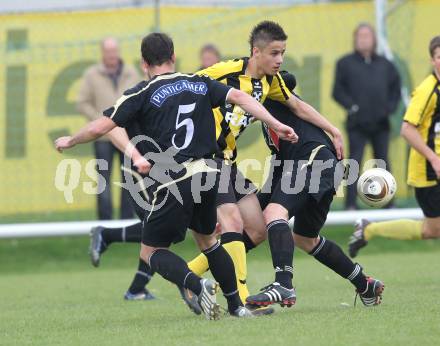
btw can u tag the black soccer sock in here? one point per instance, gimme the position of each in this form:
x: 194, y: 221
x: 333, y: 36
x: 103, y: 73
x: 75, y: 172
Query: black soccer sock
x: 129, y: 234
x: 248, y: 243
x: 141, y: 278
x: 229, y: 237
x: 281, y: 247
x: 173, y: 268
x: 222, y: 268
x: 332, y: 256
x: 133, y: 233
x: 112, y: 235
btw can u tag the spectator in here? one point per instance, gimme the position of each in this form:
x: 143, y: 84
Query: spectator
x: 102, y: 85
x: 209, y: 55
x: 368, y: 87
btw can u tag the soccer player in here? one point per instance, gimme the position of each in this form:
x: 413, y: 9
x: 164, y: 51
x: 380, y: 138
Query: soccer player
x: 311, y: 168
x: 101, y: 238
x: 421, y: 129
x: 257, y: 75
x: 175, y: 111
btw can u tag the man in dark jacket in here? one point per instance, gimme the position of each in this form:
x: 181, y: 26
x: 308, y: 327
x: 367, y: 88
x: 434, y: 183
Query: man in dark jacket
x: 368, y: 87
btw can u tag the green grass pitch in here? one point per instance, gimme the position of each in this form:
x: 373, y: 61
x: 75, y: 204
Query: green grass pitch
x: 51, y: 295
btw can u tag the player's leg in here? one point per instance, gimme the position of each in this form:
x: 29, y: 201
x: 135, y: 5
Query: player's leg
x: 254, y: 227
x: 428, y: 199
x: 203, y: 223
x: 228, y: 216
x: 278, y: 208
x: 127, y: 234
x: 231, y: 223
x: 222, y: 268
x: 160, y: 230
x: 102, y: 237
x: 364, y: 231
x: 251, y: 208
x: 137, y: 289
x: 174, y: 269
x: 200, y: 264
x: 431, y: 228
x: 281, y: 248
x: 401, y: 229
x: 307, y: 226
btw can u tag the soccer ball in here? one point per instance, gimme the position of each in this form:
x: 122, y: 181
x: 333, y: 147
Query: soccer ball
x: 376, y: 187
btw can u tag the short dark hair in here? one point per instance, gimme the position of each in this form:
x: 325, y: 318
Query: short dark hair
x: 157, y: 48
x: 266, y: 32
x: 433, y: 45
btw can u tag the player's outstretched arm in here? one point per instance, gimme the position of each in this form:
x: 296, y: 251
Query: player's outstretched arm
x: 88, y: 133
x: 310, y: 114
x: 255, y: 108
x: 414, y: 139
x: 120, y: 140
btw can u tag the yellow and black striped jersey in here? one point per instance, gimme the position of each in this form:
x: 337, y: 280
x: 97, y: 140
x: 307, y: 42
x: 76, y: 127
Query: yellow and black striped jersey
x: 231, y: 120
x: 424, y: 113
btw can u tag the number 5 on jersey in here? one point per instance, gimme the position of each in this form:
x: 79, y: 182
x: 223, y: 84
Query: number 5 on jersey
x: 188, y: 123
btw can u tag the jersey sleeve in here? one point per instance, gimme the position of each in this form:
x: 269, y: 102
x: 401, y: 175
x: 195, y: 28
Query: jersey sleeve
x: 217, y: 92
x: 278, y: 90
x: 222, y: 69
x: 421, y: 103
x: 126, y: 108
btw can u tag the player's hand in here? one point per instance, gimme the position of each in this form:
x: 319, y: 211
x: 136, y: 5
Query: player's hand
x: 142, y: 165
x: 286, y: 133
x: 63, y: 143
x: 435, y: 163
x: 338, y: 142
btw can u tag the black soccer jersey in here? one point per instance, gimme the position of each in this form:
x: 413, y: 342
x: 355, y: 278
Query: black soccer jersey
x: 174, y: 111
x: 309, y: 135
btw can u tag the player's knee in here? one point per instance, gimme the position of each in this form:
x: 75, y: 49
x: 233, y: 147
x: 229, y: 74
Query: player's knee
x: 304, y: 243
x: 146, y: 252
x: 256, y: 231
x: 275, y: 212
x: 260, y: 236
x: 257, y: 234
x: 431, y: 230
x: 229, y: 218
x: 205, y: 241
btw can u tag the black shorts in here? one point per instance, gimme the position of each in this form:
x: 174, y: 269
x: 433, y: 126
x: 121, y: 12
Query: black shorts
x: 175, y: 207
x: 429, y: 200
x: 233, y: 185
x: 306, y: 195
x: 265, y: 193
